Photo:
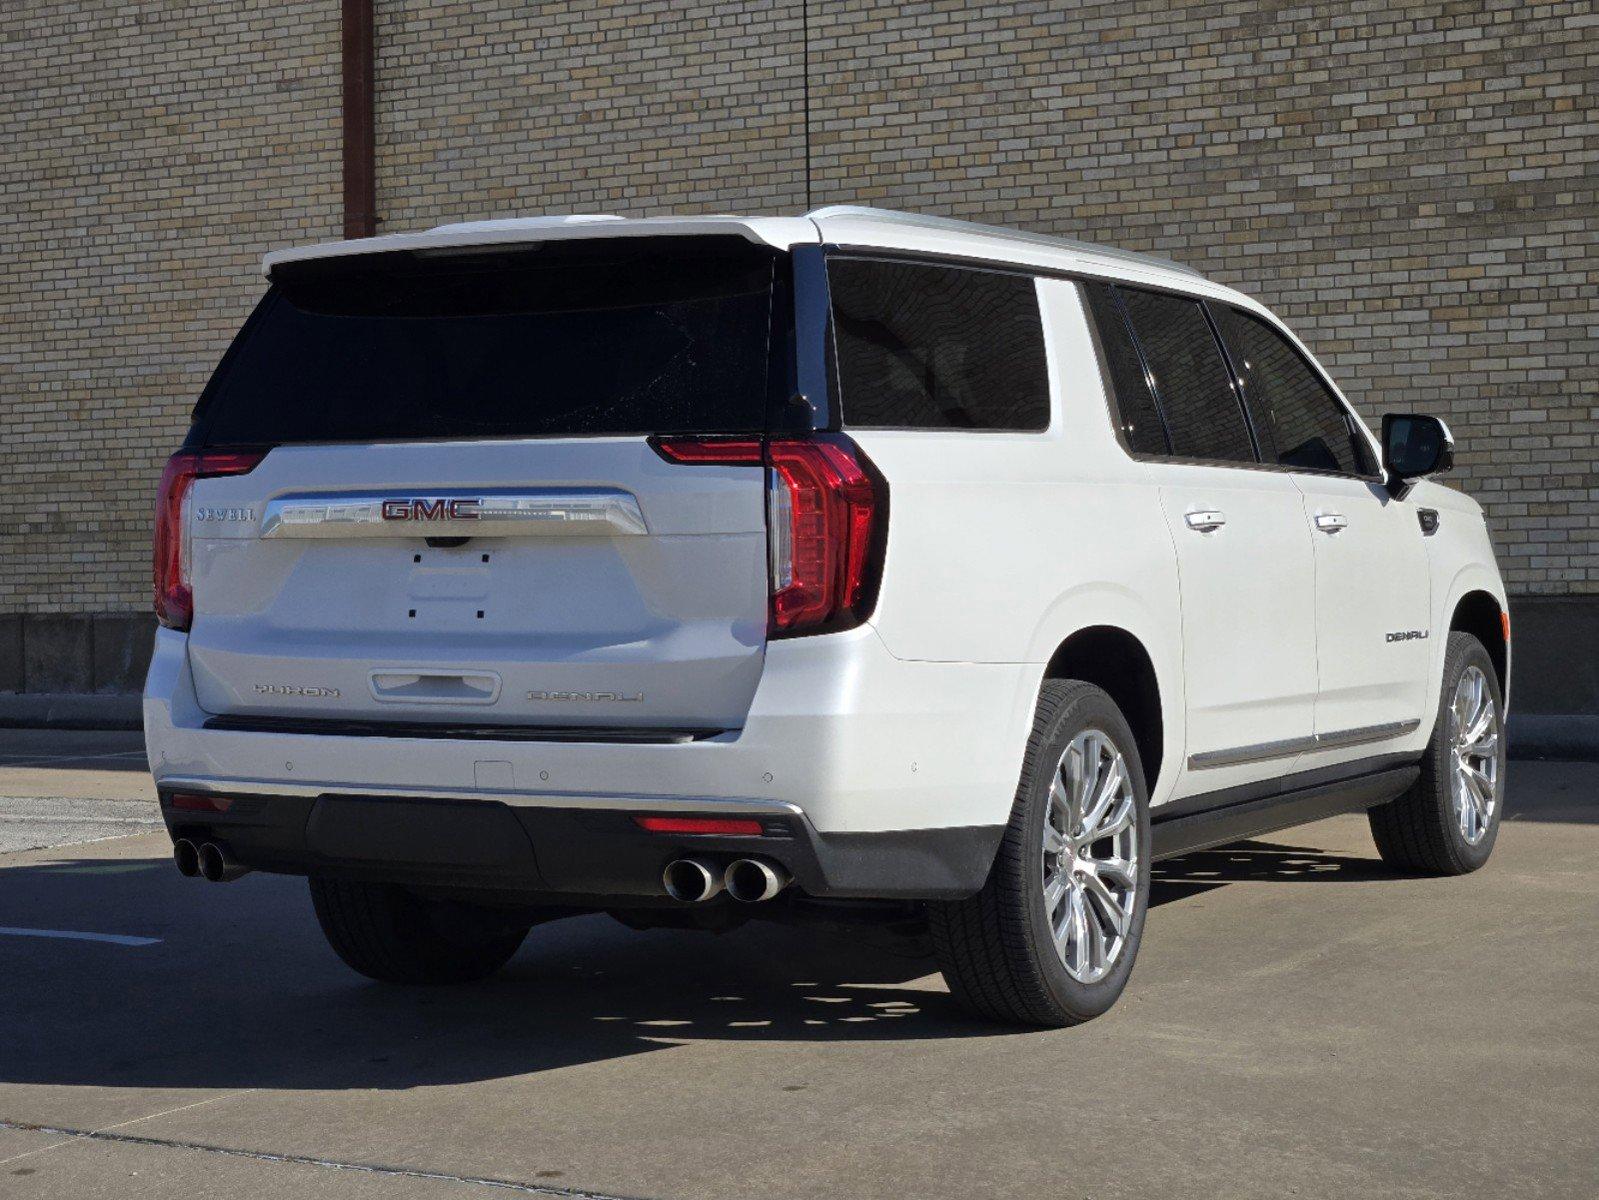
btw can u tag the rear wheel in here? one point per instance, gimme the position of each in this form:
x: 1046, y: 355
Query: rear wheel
x: 1051, y: 938
x: 391, y: 934
x: 1446, y: 824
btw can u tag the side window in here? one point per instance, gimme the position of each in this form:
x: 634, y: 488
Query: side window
x: 1135, y: 403
x: 935, y: 347
x: 1203, y: 416
x: 1299, y: 421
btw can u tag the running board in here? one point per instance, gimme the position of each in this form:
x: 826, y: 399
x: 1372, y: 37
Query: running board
x: 1185, y: 833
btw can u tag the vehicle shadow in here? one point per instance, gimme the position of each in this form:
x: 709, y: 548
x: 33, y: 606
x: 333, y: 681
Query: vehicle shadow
x: 241, y: 991
x: 1258, y: 861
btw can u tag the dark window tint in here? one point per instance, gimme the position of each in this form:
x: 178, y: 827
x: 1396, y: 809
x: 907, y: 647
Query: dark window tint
x: 573, y: 338
x: 925, y: 347
x: 1203, y: 417
x: 1299, y: 421
x: 1135, y: 403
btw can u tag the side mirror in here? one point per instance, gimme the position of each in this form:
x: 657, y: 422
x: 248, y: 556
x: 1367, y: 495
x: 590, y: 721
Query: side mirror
x: 1413, y: 446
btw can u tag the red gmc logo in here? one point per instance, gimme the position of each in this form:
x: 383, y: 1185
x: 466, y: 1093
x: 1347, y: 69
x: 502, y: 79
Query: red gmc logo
x: 437, y: 509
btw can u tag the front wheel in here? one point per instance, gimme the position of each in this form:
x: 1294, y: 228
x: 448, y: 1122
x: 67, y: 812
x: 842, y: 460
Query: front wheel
x: 391, y: 934
x: 1051, y: 938
x: 1446, y: 824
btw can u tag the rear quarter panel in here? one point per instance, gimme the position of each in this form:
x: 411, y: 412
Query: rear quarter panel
x: 1002, y: 545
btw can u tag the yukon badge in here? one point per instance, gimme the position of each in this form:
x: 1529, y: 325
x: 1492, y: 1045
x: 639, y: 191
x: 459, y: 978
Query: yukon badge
x: 439, y: 508
x: 1407, y: 635
x: 294, y: 689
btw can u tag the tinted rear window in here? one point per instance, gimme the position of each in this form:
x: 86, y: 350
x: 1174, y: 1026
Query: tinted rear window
x: 560, y: 338
x: 1140, y: 420
x: 1203, y: 416
x: 934, y: 347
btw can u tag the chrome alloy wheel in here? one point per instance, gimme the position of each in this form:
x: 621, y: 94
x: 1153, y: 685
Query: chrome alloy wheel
x: 1090, y: 856
x: 1473, y: 755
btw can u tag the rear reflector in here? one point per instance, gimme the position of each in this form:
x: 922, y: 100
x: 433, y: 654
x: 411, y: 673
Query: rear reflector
x: 826, y: 521
x: 728, y: 826
x: 187, y: 802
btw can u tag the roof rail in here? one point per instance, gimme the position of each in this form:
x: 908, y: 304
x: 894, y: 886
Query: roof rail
x: 864, y: 212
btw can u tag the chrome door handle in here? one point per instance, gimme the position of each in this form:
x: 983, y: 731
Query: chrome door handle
x: 1331, y: 522
x: 1207, y: 521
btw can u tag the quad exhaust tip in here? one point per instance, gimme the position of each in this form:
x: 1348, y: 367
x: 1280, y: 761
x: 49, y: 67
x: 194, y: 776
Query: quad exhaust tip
x: 691, y: 880
x: 206, y: 860
x: 186, y: 857
x: 752, y: 880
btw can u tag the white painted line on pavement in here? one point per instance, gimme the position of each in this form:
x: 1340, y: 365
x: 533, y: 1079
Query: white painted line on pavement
x: 116, y: 939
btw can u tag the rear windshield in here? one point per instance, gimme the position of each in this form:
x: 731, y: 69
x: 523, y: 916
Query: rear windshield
x: 614, y: 336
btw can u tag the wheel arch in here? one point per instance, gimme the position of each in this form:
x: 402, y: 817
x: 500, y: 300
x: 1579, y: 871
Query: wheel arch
x: 1111, y: 658
x: 1480, y: 614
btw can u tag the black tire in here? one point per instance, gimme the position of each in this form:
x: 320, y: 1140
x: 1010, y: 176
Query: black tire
x: 1421, y: 831
x: 995, y: 948
x: 390, y: 934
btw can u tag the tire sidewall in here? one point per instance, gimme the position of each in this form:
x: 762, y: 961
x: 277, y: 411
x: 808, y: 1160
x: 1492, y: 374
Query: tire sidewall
x: 1465, y: 651
x: 1094, y: 709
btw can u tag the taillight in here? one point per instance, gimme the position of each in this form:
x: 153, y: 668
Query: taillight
x: 174, y: 602
x: 827, y: 513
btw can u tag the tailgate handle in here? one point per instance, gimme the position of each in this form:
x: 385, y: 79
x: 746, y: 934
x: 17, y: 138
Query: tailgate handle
x: 424, y: 686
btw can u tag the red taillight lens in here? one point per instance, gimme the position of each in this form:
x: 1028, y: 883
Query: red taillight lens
x: 827, y: 511
x: 826, y: 515
x: 709, y: 451
x: 174, y: 603
x: 727, y: 826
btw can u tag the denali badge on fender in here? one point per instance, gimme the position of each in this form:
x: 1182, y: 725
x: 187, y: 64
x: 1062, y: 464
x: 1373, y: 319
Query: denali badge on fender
x: 1407, y: 635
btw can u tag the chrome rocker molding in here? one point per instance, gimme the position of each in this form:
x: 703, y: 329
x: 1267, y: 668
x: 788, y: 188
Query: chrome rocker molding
x: 580, y: 512
x: 1289, y: 747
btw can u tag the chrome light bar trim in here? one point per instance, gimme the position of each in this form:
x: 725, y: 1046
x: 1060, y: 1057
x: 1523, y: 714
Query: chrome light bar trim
x: 582, y: 512
x: 511, y: 796
x: 1288, y: 747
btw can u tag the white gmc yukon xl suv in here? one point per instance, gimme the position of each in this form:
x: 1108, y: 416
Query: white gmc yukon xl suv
x: 694, y: 570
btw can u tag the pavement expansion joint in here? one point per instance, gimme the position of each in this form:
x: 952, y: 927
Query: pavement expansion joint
x: 128, y: 1139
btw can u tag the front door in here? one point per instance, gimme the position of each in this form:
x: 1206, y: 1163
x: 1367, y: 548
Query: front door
x: 1373, y: 600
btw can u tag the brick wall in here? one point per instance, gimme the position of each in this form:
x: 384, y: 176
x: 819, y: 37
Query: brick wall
x: 1413, y: 189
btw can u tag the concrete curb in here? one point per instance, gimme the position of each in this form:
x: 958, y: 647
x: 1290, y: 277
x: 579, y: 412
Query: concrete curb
x: 1551, y: 735
x: 69, y: 710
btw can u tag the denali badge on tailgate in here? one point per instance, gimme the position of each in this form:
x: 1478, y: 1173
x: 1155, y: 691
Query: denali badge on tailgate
x: 615, y: 697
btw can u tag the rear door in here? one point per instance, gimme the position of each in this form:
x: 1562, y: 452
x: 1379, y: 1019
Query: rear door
x: 461, y: 520
x: 1373, y: 596
x: 1245, y: 562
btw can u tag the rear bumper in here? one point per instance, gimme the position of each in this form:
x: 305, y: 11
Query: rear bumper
x: 893, y: 779
x: 577, y: 855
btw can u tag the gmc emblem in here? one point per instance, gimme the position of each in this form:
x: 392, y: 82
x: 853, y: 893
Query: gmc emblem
x: 437, y: 509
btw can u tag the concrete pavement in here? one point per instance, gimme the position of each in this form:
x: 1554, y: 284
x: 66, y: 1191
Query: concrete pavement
x: 1302, y: 1022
